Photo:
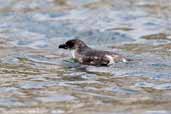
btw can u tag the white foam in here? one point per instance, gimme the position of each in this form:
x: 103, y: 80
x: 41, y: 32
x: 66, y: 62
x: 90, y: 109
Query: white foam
x: 111, y: 61
x: 124, y: 60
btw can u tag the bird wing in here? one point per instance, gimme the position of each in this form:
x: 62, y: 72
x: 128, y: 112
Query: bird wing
x: 95, y: 57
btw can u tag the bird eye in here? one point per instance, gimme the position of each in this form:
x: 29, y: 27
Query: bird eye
x: 70, y: 44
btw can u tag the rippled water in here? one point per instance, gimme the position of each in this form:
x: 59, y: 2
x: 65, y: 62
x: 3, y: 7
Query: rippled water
x: 36, y: 77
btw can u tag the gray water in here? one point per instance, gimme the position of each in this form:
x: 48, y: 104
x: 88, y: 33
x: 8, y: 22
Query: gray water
x: 38, y: 78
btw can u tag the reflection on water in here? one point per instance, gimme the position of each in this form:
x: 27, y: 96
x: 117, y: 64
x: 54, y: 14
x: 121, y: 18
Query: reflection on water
x: 36, y: 77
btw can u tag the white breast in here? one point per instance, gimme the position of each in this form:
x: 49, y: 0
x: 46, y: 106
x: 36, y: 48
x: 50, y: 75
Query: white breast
x: 73, y: 52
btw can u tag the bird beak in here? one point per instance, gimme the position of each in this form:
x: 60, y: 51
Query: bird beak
x: 63, y: 46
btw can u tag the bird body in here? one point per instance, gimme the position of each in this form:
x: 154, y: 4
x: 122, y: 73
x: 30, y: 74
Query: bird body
x: 86, y: 55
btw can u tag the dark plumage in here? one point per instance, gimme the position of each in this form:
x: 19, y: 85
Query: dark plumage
x: 86, y: 55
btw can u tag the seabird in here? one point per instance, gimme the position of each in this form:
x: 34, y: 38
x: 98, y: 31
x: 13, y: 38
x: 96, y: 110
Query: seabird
x: 88, y: 56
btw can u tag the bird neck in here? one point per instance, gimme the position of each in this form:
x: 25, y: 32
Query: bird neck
x: 73, y: 53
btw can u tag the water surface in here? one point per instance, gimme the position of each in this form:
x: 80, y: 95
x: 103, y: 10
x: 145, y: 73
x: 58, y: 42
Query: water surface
x: 36, y: 77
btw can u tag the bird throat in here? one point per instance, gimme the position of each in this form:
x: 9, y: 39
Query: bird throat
x: 73, y: 52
